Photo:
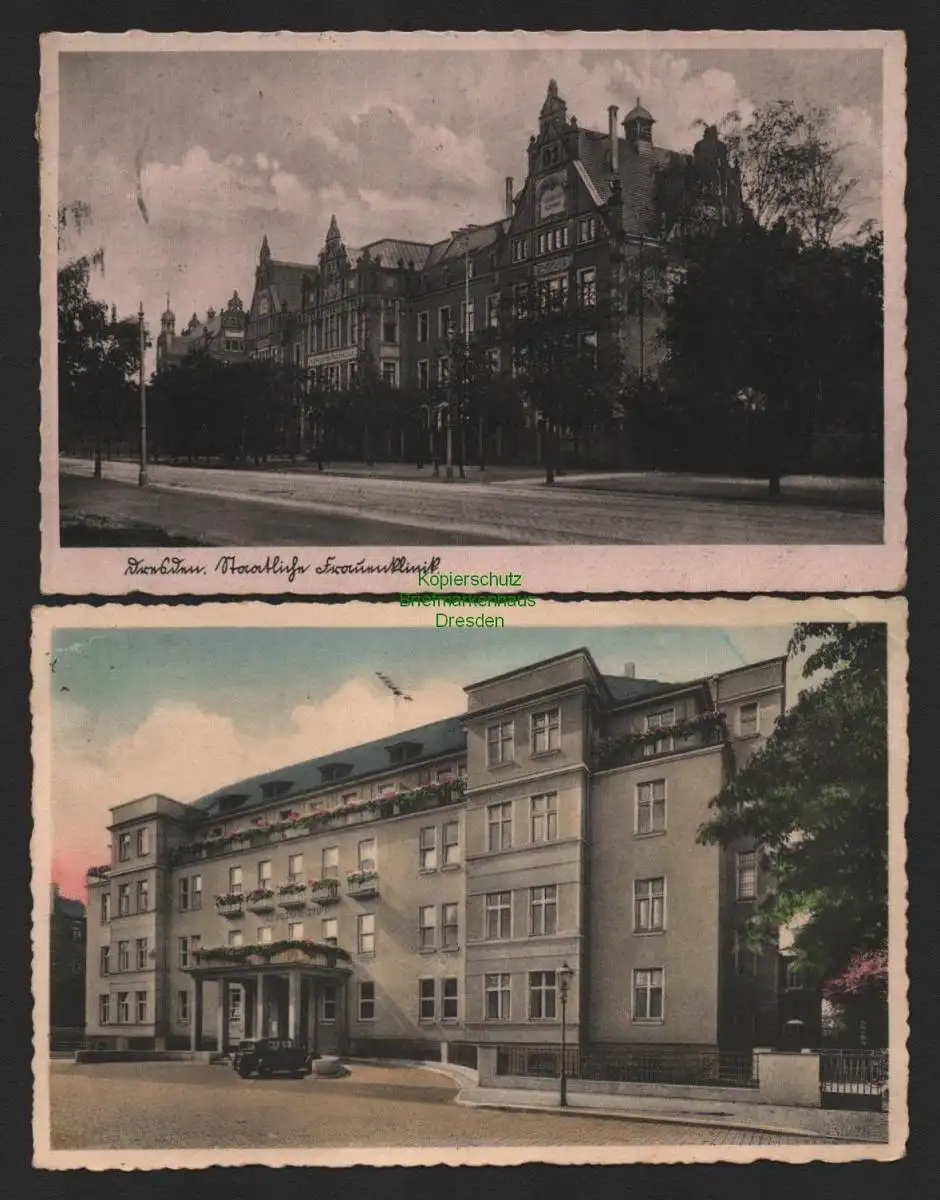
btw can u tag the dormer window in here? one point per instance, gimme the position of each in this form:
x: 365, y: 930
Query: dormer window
x: 276, y: 788
x: 551, y: 155
x: 331, y: 772
x: 402, y: 751
x: 230, y: 803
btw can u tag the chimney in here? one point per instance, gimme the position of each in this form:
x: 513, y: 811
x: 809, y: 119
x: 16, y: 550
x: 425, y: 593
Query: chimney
x: 629, y: 669
x: 509, y: 204
x: 614, y: 140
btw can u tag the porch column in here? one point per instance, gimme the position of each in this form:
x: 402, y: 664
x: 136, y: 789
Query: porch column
x: 313, y: 998
x: 222, y: 1017
x: 195, y: 1017
x: 293, y: 1005
x: 258, y: 1030
x: 342, y: 1014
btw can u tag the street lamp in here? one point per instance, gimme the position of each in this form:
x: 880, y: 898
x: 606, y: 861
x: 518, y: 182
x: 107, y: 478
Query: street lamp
x: 142, y: 475
x: 564, y: 978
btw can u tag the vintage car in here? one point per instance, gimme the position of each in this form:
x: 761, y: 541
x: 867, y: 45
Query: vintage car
x: 271, y: 1056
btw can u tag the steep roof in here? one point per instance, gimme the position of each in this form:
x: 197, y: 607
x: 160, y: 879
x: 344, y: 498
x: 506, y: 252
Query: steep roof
x: 624, y: 688
x: 453, y: 247
x: 284, y: 281
x: 394, y: 252
x: 436, y: 739
x: 637, y: 170
x: 74, y: 910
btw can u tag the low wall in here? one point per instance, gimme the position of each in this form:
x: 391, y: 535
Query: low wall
x: 783, y: 1078
x: 105, y: 1056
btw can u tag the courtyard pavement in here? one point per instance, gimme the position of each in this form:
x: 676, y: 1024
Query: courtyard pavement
x: 519, y: 511
x: 169, y: 1105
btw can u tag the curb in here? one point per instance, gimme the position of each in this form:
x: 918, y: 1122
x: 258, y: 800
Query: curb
x: 665, y: 1119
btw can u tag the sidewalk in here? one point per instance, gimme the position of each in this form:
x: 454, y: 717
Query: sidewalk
x: 826, y: 1124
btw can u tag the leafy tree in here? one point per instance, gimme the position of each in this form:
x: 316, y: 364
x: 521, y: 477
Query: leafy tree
x: 790, y: 169
x: 815, y: 800
x: 862, y: 994
x: 563, y: 379
x: 99, y: 355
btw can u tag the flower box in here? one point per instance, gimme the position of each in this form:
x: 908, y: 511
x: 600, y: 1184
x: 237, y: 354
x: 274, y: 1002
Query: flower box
x: 362, y: 883
x: 292, y: 895
x: 227, y: 907
x: 261, y: 900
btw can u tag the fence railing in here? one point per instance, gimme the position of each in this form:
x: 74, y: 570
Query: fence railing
x: 854, y: 1078
x: 616, y: 1064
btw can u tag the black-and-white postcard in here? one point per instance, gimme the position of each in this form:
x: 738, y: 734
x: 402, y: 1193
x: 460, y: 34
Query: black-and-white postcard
x: 604, y: 883
x: 390, y: 312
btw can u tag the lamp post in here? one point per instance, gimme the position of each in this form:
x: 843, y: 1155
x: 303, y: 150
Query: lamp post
x: 142, y: 475
x: 564, y: 978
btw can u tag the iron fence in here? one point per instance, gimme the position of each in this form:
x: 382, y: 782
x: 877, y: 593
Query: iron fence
x: 856, y: 1079
x: 620, y: 1064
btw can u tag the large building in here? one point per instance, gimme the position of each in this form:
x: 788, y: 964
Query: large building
x: 67, y: 954
x: 593, y: 211
x: 221, y: 335
x: 427, y: 888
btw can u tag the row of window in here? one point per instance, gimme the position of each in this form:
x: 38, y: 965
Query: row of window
x: 550, y: 241
x: 116, y: 1009
x: 142, y: 957
x: 544, y: 737
x: 542, y: 995
x: 141, y: 896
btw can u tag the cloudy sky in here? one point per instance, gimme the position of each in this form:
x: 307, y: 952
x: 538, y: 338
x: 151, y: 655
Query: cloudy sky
x: 234, y: 145
x: 186, y: 711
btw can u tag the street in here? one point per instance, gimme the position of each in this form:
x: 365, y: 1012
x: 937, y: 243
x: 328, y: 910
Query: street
x: 519, y: 512
x: 143, y: 1106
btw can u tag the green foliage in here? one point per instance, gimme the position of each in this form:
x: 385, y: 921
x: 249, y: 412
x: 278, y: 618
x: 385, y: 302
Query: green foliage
x: 773, y: 346
x: 815, y: 799
x: 790, y: 169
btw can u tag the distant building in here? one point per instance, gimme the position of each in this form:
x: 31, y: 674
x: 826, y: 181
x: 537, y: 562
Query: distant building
x: 67, y: 965
x: 221, y: 335
x: 425, y: 889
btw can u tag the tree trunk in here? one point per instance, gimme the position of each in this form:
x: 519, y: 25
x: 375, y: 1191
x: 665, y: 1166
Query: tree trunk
x: 401, y: 444
x: 499, y: 442
x: 550, y: 448
x: 97, y: 473
x: 482, y: 444
x: 463, y: 450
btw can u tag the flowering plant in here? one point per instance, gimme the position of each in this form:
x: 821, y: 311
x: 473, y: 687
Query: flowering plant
x: 98, y: 872
x: 355, y: 877
x: 607, y: 749
x: 291, y: 889
x: 259, y: 894
x: 444, y: 792
x: 866, y: 977
x: 267, y: 951
x: 229, y: 898
x: 324, y: 885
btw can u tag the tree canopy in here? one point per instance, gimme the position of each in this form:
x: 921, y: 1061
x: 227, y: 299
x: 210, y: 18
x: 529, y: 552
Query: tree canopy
x: 815, y: 799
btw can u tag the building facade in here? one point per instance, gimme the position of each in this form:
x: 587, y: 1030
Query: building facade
x: 221, y: 335
x: 67, y: 955
x: 587, y: 225
x: 427, y: 888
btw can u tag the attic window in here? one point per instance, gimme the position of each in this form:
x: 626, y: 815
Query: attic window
x: 550, y: 155
x: 402, y: 751
x: 333, y: 771
x: 229, y: 803
x: 276, y: 788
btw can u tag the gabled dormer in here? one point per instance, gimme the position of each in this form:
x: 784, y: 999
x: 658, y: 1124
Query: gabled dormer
x: 400, y: 752
x: 334, y: 771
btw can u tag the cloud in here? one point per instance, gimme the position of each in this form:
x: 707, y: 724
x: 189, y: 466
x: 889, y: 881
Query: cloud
x: 184, y: 751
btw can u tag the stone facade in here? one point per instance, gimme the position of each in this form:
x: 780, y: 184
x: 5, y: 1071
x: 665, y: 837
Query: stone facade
x: 221, y: 335
x: 427, y: 888
x: 591, y: 217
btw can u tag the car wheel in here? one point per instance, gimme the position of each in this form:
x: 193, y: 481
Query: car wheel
x: 243, y: 1070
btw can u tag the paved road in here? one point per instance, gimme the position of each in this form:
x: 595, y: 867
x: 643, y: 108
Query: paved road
x: 146, y: 1106
x: 517, y: 512
x: 105, y: 513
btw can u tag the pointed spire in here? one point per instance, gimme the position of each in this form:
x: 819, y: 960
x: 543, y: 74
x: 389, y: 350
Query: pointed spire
x: 333, y: 234
x: 265, y: 251
x: 553, y: 102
